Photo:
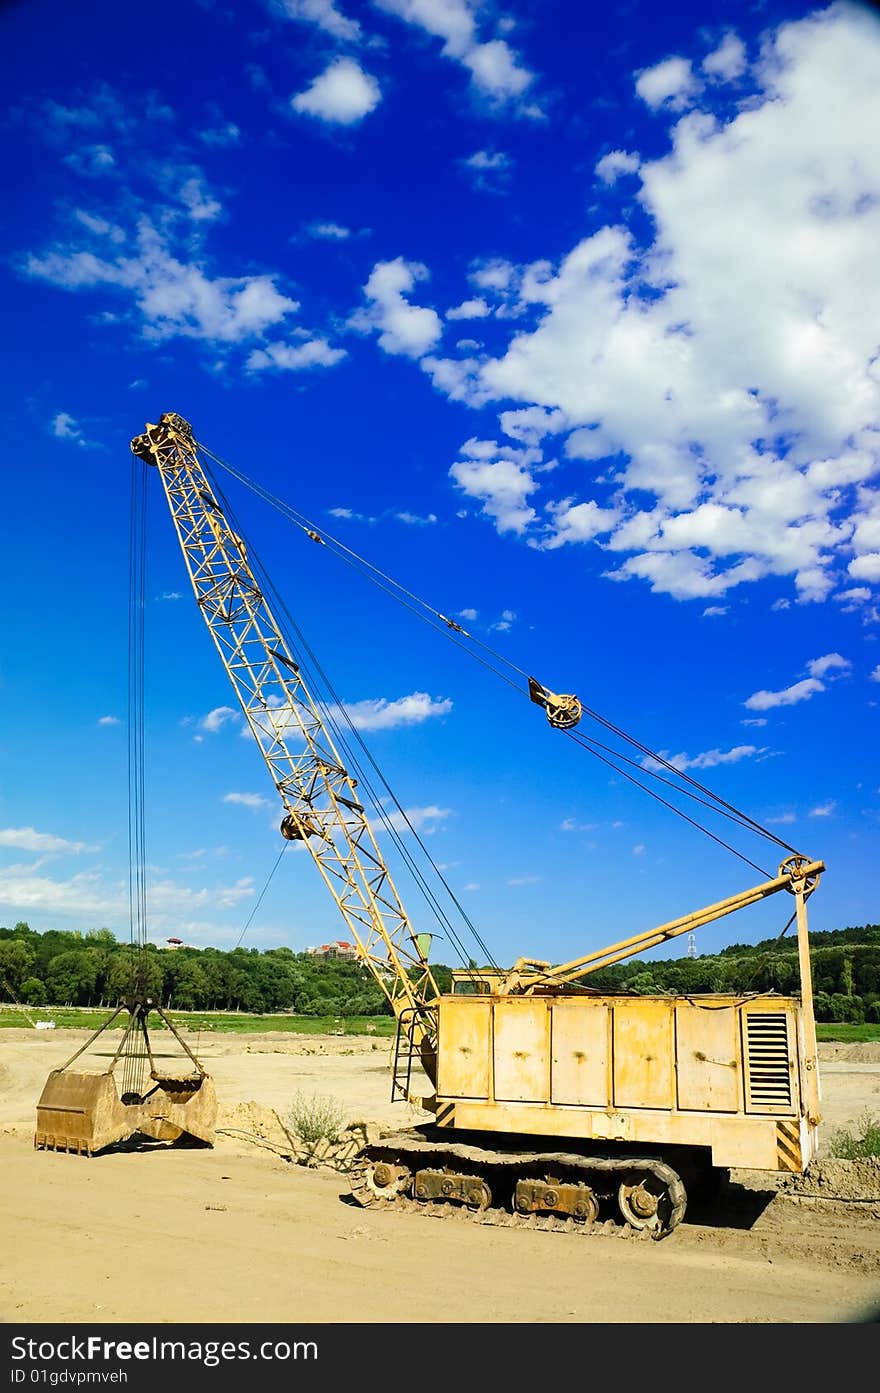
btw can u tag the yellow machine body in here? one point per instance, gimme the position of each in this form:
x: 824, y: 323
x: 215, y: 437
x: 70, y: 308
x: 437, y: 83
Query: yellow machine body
x: 725, y: 1073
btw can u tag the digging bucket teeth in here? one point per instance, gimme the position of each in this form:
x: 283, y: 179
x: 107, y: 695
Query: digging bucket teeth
x: 83, y: 1113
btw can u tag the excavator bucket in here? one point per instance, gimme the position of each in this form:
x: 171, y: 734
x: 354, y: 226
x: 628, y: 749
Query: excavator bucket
x: 83, y: 1112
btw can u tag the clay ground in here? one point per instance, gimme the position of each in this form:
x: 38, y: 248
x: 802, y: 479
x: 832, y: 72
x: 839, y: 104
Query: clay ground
x: 238, y: 1234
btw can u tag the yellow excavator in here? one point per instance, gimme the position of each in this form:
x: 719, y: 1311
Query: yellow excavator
x: 552, y: 1104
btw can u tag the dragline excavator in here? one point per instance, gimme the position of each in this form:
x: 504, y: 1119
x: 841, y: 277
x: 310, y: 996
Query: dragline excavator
x: 552, y: 1104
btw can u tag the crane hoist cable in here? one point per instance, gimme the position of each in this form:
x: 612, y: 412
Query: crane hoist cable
x: 133, y: 1048
x: 652, y: 762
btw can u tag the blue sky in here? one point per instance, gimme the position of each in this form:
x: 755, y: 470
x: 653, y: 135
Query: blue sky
x: 562, y: 315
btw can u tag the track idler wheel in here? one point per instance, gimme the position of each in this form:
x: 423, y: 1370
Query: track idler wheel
x: 379, y: 1183
x: 648, y: 1202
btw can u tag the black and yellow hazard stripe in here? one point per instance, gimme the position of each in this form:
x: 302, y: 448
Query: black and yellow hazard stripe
x: 788, y: 1146
x: 445, y: 1115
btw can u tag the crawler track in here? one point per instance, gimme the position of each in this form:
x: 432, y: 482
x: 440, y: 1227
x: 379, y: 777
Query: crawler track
x: 384, y: 1176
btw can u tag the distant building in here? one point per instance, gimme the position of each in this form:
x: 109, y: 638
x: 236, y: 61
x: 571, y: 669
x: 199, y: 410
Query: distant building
x: 337, y: 949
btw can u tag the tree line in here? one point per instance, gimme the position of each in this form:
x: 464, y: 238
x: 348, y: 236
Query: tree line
x: 61, y: 967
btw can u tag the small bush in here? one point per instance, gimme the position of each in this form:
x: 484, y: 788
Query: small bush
x: 853, y: 1146
x: 314, y: 1118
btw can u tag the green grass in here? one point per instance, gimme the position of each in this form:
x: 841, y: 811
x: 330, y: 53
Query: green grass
x: 847, y: 1034
x: 853, y: 1146
x: 239, y: 1022
x: 234, y: 1022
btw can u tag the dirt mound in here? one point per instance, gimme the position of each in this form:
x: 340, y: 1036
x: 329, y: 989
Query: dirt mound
x: 835, y: 1179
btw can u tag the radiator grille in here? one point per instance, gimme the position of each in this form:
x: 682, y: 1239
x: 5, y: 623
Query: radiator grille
x: 768, y: 1066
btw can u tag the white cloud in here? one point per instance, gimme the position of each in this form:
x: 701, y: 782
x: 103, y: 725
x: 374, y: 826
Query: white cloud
x: 707, y: 760
x: 728, y: 370
x: 172, y: 297
x: 489, y: 170
x: 64, y: 427
x: 469, y: 309
x: 728, y: 60
x: 671, y: 83
x: 217, y: 719
x: 824, y: 809
x: 578, y: 522
x: 403, y: 328
x: 866, y: 567
x: 221, y: 137
x: 754, y: 721
x: 91, y: 160
x: 711, y: 611
x: 524, y: 880
x: 425, y: 820
x: 507, y: 620
x: 498, y: 477
x: 875, y: 675
x: 329, y: 231
x: 28, y: 839
x: 783, y: 817
x: 789, y: 696
x: 108, y: 720
x: 615, y: 163
x: 379, y: 713
x: 89, y: 893
x: 639, y: 850
x: 200, y: 205
x: 247, y: 800
x: 820, y: 667
x: 416, y: 519
x: 286, y: 357
x: 343, y: 94
x: 494, y: 67
x: 325, y: 15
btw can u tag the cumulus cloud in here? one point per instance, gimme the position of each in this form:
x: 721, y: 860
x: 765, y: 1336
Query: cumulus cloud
x: 108, y: 720
x: 379, y: 713
x: 287, y: 357
x: 728, y: 60
x: 28, y: 839
x: 425, y: 820
x: 324, y: 14
x: 820, y: 667
x: 707, y: 760
x: 342, y: 95
x: 495, y: 69
x: 498, y: 478
x: 247, y: 800
x: 823, y: 809
x: 788, y: 696
x: 173, y: 297
x: 64, y: 427
x: 726, y: 372
x: 875, y: 675
x: 671, y: 83
x: 403, y: 328
x: 488, y: 170
x: 217, y: 719
x: 616, y: 163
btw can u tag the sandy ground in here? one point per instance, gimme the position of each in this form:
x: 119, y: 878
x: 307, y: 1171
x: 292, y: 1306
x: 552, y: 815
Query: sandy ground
x: 239, y: 1234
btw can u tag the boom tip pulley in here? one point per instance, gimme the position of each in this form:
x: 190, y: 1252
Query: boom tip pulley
x: 563, y: 710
